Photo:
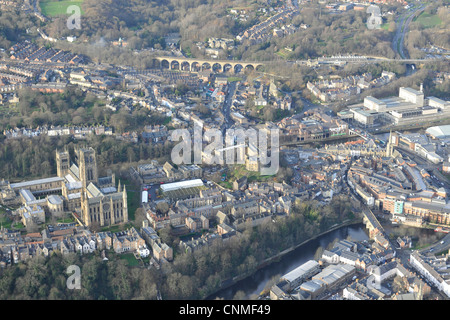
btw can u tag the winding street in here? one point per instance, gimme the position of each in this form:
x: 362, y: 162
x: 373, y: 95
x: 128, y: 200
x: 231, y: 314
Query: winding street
x: 402, y: 27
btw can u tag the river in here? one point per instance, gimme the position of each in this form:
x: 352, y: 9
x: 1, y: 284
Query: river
x: 253, y: 285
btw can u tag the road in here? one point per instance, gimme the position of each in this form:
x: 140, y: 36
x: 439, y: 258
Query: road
x: 226, y: 108
x: 404, y: 254
x: 402, y: 27
x: 151, y: 188
x: 438, y: 247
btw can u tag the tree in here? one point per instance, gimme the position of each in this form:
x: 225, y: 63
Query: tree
x: 239, y: 295
x: 120, y: 281
x: 318, y: 253
x: 162, y: 207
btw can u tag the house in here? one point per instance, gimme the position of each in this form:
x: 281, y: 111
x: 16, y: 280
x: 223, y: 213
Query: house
x: 240, y: 184
x: 260, y: 102
x: 220, y: 80
x: 92, y: 244
x: 143, y: 251
x: 349, y: 257
x: 222, y: 218
x: 330, y: 257
x: 78, y: 247
x: 66, y: 246
x: 193, y: 223
x: 83, y: 245
x: 121, y: 244
x: 223, y: 229
x: 205, y: 222
x: 104, y: 240
x: 162, y: 251
x: 345, y: 245
x: 404, y: 242
x: 32, y: 215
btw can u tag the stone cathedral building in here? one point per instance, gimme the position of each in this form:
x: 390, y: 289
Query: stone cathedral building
x: 96, y: 199
x: 77, y: 188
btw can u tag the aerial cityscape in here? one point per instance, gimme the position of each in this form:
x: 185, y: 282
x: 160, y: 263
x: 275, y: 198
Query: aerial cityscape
x: 253, y: 150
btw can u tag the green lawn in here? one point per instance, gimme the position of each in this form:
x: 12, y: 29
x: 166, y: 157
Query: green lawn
x: 234, y: 79
x: 428, y: 20
x: 5, y: 221
x: 447, y: 175
x: 68, y: 219
x: 385, y: 26
x: 283, y: 53
x: 19, y: 226
x: 131, y: 260
x: 226, y: 184
x: 118, y: 227
x: 240, y: 171
x: 133, y: 197
x: 53, y: 7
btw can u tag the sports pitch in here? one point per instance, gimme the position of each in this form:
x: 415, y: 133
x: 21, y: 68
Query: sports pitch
x: 52, y: 8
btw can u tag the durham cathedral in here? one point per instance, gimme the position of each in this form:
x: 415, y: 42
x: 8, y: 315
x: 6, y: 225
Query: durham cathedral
x: 77, y: 188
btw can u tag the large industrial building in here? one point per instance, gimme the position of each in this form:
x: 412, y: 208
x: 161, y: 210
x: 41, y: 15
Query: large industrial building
x: 301, y: 273
x: 439, y: 132
x: 181, y: 189
x: 409, y: 107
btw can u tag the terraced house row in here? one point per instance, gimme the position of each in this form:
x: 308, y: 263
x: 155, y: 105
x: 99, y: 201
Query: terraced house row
x: 64, y: 240
x: 31, y: 52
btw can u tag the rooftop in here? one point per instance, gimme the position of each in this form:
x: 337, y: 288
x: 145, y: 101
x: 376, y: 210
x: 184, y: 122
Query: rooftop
x: 439, y: 131
x: 301, y: 270
x: 181, y: 185
x: 27, y: 195
x: 25, y: 184
x: 53, y: 199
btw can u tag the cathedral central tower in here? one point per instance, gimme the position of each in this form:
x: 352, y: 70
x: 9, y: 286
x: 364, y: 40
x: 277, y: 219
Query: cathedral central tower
x: 87, y: 164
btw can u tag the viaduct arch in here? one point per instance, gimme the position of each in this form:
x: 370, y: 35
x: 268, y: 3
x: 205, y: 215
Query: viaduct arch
x: 197, y: 65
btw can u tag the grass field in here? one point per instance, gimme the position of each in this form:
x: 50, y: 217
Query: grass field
x: 53, y: 7
x: 133, y: 197
x: 283, y: 53
x: 428, y: 20
x: 68, y: 219
x: 131, y: 260
x: 5, y: 221
x: 385, y: 26
x: 234, y: 79
x: 239, y: 171
x: 226, y: 184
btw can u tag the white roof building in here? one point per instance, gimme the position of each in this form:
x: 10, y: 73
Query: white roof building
x: 302, y: 272
x: 182, y: 185
x: 439, y: 132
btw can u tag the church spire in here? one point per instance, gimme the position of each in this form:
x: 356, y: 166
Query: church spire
x: 389, y: 146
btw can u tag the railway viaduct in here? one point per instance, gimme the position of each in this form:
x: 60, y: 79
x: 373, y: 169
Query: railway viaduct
x: 196, y: 65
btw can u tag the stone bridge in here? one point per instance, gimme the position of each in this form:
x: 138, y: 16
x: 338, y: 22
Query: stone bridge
x: 196, y: 65
x: 371, y: 223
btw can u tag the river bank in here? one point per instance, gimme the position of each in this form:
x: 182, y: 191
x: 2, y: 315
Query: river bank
x: 267, y: 263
